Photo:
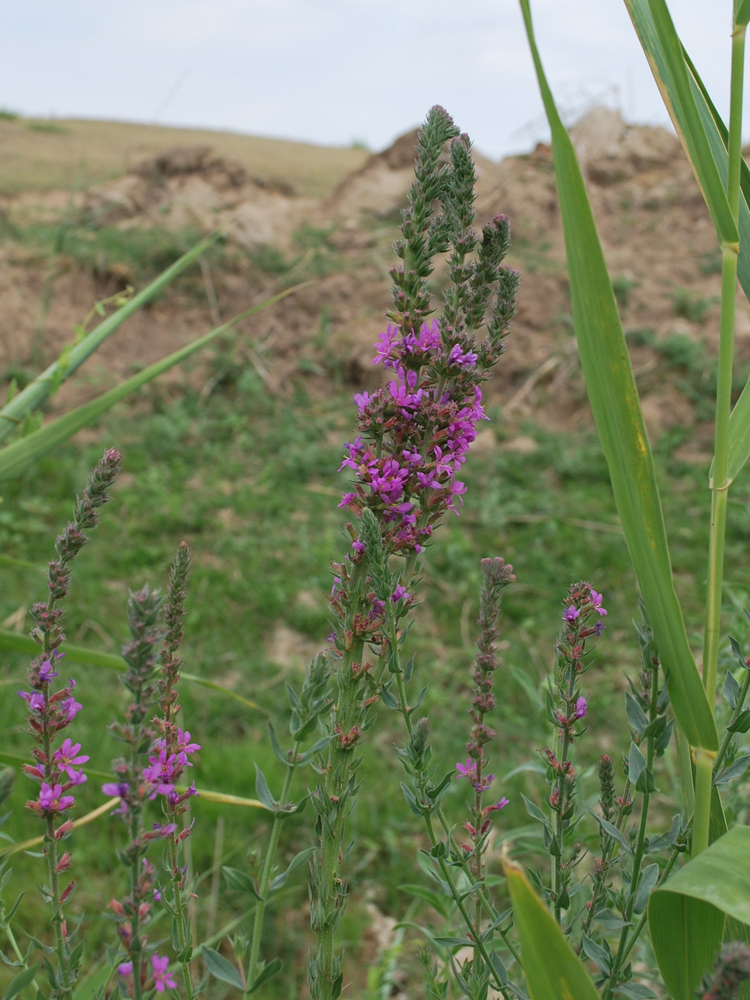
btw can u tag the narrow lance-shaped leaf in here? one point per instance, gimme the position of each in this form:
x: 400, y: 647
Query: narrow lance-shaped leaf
x: 553, y: 970
x: 32, y: 397
x: 21, y: 454
x: 619, y: 422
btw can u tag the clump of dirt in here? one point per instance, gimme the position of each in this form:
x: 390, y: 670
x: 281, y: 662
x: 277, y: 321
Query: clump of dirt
x: 656, y: 234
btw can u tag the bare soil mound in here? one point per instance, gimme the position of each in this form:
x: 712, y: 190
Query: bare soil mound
x: 656, y: 233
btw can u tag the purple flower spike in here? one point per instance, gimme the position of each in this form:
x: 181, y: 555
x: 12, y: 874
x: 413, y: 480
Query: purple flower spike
x: 162, y: 976
x: 581, y: 708
x: 571, y: 614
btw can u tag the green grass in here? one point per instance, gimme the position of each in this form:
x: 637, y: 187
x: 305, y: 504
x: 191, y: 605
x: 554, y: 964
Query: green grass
x: 250, y: 482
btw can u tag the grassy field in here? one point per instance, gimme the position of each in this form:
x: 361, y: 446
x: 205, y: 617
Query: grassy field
x: 71, y: 155
x: 250, y: 482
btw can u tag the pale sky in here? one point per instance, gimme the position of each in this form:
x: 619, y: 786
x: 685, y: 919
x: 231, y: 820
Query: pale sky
x: 336, y: 71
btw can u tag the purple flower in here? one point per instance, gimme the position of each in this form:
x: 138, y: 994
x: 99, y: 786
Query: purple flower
x: 35, y: 699
x: 571, y: 614
x: 468, y: 770
x: 581, y: 708
x: 51, y: 798
x: 162, y: 975
x: 399, y: 593
x: 497, y: 806
x: 65, y: 758
x: 596, y: 602
x: 113, y: 788
x: 125, y: 969
x: 358, y: 546
x: 46, y: 673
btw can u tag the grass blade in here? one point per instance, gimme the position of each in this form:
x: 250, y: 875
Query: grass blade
x: 17, y: 457
x: 717, y: 137
x: 664, y: 52
x: 619, y: 422
x: 34, y: 395
x: 111, y: 661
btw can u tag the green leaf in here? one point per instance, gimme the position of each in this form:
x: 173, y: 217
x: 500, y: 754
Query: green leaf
x: 34, y: 395
x: 297, y: 860
x: 438, y: 902
x: 239, y: 880
x: 263, y: 791
x: 717, y: 136
x: 664, y: 52
x: 553, y: 970
x: 221, y: 969
x: 742, y: 16
x: 21, y: 454
x: 111, y: 661
x: 20, y: 981
x: 269, y: 970
x: 686, y: 915
x: 619, y: 421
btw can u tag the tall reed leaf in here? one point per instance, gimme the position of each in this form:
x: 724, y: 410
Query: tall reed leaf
x: 686, y: 916
x: 663, y: 50
x: 716, y: 136
x: 34, y: 395
x: 23, y: 453
x: 619, y: 421
x: 553, y: 970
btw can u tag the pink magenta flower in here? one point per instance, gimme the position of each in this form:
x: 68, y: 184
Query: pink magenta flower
x: 125, y: 968
x: 51, y: 798
x: 65, y: 758
x: 468, y: 770
x: 571, y: 614
x: 581, y: 708
x: 596, y: 602
x: 162, y: 976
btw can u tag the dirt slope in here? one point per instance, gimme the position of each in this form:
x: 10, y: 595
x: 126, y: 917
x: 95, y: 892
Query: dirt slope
x: 656, y: 233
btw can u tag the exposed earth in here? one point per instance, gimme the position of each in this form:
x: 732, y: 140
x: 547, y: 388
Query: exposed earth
x: 657, y: 236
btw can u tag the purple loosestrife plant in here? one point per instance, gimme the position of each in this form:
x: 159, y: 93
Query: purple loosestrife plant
x: 56, y: 764
x: 495, y: 577
x: 136, y: 784
x: 169, y: 759
x: 567, y: 707
x: 413, y: 438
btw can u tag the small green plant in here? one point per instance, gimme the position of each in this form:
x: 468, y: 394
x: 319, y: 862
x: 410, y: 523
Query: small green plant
x: 621, y: 286
x: 690, y: 306
x: 50, y: 128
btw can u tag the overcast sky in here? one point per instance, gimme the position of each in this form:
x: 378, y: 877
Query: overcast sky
x: 337, y: 71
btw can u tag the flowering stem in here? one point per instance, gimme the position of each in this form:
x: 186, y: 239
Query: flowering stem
x: 181, y: 919
x: 58, y: 920
x: 640, y: 845
x: 265, y: 878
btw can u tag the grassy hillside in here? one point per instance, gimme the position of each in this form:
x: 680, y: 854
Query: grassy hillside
x: 39, y: 155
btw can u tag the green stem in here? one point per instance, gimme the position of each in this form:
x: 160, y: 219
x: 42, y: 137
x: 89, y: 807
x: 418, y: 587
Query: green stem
x: 640, y: 846
x: 447, y: 875
x: 177, y: 876
x: 721, y: 483
x: 63, y: 965
x: 337, y: 785
x: 265, y: 878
